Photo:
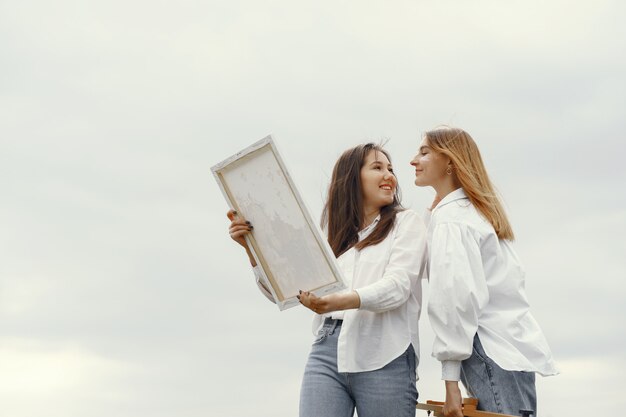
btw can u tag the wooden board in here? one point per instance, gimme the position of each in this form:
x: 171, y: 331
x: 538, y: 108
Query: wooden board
x: 469, y: 409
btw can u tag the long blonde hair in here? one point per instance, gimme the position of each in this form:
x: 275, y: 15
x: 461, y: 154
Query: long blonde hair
x: 468, y: 166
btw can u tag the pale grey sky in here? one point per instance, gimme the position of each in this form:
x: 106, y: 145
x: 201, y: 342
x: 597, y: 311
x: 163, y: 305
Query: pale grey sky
x: 120, y: 291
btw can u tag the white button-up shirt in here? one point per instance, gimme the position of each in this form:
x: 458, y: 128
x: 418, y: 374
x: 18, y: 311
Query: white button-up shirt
x: 386, y: 278
x: 476, y: 285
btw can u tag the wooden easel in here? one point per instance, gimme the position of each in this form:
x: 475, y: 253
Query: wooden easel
x: 469, y: 409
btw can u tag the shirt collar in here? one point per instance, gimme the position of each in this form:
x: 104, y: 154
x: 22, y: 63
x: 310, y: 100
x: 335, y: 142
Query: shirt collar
x: 363, y: 233
x: 457, y: 194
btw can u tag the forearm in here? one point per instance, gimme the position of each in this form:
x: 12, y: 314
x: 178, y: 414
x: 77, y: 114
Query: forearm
x: 331, y: 302
x: 454, y: 335
x: 453, y: 404
x: 386, y: 294
x: 454, y: 330
x: 345, y: 301
x: 457, y: 294
x: 250, y: 257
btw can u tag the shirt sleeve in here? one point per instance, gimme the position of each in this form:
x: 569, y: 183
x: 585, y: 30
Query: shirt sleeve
x: 425, y: 262
x: 457, y: 293
x: 260, y: 282
x: 401, y: 273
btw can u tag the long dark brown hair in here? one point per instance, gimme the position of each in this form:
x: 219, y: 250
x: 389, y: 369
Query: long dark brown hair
x: 343, y: 212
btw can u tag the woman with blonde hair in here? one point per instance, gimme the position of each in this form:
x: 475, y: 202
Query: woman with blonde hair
x: 485, y: 335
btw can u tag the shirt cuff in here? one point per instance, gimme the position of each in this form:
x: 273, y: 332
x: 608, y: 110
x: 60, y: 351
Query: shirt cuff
x: 451, y: 370
x: 260, y: 282
x: 367, y: 297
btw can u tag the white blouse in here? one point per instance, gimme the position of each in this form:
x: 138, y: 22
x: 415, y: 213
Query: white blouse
x: 476, y: 285
x: 386, y: 278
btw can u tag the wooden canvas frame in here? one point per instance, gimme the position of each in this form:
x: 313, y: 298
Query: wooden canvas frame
x: 468, y: 408
x: 288, y: 246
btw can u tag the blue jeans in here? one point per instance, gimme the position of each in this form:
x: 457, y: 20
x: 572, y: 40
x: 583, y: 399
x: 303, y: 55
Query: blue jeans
x: 389, y: 391
x: 497, y: 390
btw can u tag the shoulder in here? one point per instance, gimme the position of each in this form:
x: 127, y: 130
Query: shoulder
x: 463, y: 216
x: 461, y: 212
x: 407, y: 215
x: 409, y: 219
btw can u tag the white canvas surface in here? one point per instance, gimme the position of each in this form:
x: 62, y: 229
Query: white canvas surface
x: 260, y: 187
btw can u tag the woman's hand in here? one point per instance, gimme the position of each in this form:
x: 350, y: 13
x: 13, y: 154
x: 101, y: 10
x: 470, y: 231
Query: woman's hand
x: 330, y: 302
x: 453, y: 405
x: 238, y: 229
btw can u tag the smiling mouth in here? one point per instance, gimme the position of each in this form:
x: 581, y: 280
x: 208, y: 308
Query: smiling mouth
x: 386, y: 187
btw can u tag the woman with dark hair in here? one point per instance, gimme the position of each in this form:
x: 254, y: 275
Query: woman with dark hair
x: 366, y: 350
x: 485, y: 335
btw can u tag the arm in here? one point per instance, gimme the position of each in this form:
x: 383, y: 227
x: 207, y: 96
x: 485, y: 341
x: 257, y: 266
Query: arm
x: 407, y: 253
x: 330, y: 302
x: 453, y: 405
x: 260, y: 282
x: 394, y: 288
x: 458, y: 291
x: 238, y: 229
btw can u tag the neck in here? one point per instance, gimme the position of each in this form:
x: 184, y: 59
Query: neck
x: 369, y: 214
x: 442, y: 190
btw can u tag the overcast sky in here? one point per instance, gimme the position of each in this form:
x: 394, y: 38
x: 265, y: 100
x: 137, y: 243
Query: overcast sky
x: 121, y: 293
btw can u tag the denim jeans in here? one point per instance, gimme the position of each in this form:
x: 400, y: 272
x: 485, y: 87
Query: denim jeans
x: 497, y: 389
x: 386, y: 392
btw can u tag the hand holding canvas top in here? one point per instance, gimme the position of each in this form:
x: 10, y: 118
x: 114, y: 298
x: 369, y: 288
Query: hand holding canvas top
x: 238, y: 230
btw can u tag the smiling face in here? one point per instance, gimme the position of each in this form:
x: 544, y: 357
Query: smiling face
x: 378, y: 182
x: 430, y: 166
